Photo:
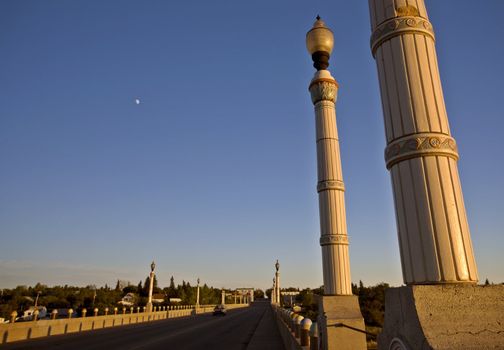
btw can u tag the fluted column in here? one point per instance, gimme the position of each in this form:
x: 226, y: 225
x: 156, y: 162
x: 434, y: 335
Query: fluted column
x: 333, y: 229
x: 421, y: 154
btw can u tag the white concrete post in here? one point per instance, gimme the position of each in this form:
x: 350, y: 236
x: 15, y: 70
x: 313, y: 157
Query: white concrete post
x: 297, y: 325
x: 151, y: 287
x: 305, y: 332
x: 314, y: 336
x: 223, y: 297
x: 421, y: 154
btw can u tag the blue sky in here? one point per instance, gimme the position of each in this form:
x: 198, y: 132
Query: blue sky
x: 213, y: 174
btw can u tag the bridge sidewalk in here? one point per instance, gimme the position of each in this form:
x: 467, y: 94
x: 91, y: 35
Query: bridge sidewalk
x: 266, y: 335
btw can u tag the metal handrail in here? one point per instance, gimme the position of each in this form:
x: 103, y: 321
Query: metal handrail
x: 375, y: 336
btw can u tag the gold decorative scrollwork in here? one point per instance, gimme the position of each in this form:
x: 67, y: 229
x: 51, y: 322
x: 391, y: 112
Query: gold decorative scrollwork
x: 333, y: 239
x: 419, y: 145
x: 330, y: 185
x: 323, y: 90
x: 400, y: 25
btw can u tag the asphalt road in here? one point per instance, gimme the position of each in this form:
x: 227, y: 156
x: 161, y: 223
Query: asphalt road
x: 248, y: 328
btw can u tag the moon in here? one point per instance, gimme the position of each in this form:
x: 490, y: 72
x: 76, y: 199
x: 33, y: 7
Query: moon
x: 137, y: 101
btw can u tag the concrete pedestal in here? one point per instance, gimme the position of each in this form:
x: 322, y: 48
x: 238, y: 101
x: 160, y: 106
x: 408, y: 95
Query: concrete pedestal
x: 338, y: 310
x: 443, y: 317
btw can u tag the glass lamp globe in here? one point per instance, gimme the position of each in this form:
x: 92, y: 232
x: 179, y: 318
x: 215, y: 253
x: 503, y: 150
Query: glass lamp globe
x: 319, y: 38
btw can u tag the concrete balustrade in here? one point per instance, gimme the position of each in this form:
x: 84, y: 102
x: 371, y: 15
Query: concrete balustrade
x: 294, y: 329
x: 15, y: 331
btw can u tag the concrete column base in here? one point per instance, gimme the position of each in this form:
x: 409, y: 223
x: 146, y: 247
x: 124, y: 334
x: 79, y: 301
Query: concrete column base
x: 454, y: 316
x: 338, y: 310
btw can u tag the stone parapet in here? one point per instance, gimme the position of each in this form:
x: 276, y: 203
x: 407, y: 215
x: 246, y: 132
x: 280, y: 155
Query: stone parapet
x: 12, y: 332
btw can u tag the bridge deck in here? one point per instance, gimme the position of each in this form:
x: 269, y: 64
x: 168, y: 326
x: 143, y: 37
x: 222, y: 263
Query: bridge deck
x: 251, y: 328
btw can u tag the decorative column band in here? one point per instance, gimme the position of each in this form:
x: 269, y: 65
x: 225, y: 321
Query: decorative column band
x: 398, y: 26
x: 330, y: 185
x: 420, y: 145
x: 333, y: 239
x: 323, y: 89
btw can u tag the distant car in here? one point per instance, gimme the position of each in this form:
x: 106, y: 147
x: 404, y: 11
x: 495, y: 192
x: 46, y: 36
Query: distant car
x: 219, y: 310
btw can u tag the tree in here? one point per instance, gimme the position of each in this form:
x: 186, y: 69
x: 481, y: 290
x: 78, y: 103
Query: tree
x: 258, y: 293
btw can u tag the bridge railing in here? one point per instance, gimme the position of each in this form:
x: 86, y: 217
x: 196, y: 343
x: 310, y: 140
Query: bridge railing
x: 15, y: 331
x: 297, y: 332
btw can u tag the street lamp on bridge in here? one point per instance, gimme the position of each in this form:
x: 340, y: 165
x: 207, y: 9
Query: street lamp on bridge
x: 337, y: 305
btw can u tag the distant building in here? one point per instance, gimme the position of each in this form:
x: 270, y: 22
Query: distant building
x: 158, y: 298
x: 128, y: 300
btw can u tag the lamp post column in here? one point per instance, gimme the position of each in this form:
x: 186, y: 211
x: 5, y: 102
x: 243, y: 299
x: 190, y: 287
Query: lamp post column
x: 151, y: 287
x: 277, y: 283
x: 330, y: 187
x: 273, y: 292
x: 337, y: 305
x: 197, y: 293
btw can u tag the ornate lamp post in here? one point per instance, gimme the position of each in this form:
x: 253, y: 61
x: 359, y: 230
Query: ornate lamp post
x: 197, y: 293
x: 338, y: 305
x: 277, y: 283
x: 151, y: 286
x: 273, y: 292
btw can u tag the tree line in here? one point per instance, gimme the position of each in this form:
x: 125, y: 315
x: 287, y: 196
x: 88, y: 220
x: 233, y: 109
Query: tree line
x: 63, y: 297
